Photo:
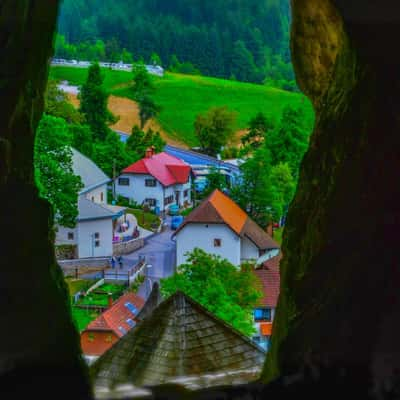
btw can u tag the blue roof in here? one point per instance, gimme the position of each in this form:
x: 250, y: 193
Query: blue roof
x: 194, y: 158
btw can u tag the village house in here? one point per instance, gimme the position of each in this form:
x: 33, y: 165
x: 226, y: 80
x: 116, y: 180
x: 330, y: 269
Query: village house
x: 268, y: 278
x: 111, y: 325
x: 97, y: 222
x: 179, y: 340
x: 157, y: 180
x: 219, y: 226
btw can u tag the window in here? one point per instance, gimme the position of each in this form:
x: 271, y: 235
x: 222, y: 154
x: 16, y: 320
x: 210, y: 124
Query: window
x: 97, y: 235
x: 150, y: 182
x: 151, y: 202
x: 217, y: 242
x: 130, y: 322
x: 169, y: 200
x: 123, y: 181
x: 70, y: 235
x: 91, y: 337
x: 186, y: 193
x: 93, y: 198
x: 131, y: 308
x: 97, y: 243
x: 101, y: 196
x: 262, y: 314
x: 122, y: 330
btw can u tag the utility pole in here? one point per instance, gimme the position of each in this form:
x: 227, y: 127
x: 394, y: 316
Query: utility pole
x: 114, y: 177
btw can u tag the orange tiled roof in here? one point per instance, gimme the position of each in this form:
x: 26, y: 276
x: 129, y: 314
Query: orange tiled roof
x: 218, y: 208
x: 117, y: 314
x: 266, y: 328
x: 229, y: 211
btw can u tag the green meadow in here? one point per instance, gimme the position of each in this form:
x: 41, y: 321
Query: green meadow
x: 183, y: 97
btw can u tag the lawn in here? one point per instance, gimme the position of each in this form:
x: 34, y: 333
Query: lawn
x: 145, y: 219
x: 183, y: 97
x: 83, y: 317
x: 278, y: 235
x: 76, y: 285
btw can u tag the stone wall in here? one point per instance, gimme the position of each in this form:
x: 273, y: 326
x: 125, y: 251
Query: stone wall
x: 66, y: 251
x: 123, y: 248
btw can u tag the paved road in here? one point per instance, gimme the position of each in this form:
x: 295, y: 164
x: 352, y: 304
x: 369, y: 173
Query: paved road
x: 159, y: 252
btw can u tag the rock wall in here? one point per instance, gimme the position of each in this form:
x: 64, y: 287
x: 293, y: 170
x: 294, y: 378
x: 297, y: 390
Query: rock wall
x: 340, y: 301
x: 39, y: 346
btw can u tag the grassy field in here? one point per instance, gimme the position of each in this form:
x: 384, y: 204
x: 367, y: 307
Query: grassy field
x: 76, y: 285
x: 183, y: 97
x: 146, y: 220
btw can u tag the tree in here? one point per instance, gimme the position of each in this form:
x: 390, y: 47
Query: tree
x: 229, y: 293
x: 215, y: 180
x: 138, y: 142
x: 53, y: 169
x: 143, y: 88
x: 289, y: 141
x: 93, y: 106
x: 155, y: 59
x: 82, y: 139
x: 254, y: 191
x: 110, y: 151
x: 259, y: 127
x: 214, y: 128
x: 243, y: 66
x: 57, y: 104
x: 143, y: 84
x: 281, y: 178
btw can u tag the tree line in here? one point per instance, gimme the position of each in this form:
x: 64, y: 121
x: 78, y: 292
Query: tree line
x: 246, y: 40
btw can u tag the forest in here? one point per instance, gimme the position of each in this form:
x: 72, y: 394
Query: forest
x: 235, y: 39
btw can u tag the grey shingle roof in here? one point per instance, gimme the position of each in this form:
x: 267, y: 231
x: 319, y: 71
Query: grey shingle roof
x: 91, y: 175
x: 90, y: 210
x: 180, y: 338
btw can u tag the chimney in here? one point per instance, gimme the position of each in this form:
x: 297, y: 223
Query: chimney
x: 270, y: 230
x: 110, y: 300
x: 150, y: 151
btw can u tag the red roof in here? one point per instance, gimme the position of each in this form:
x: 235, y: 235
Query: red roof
x: 117, y: 315
x: 167, y: 169
x: 269, y: 278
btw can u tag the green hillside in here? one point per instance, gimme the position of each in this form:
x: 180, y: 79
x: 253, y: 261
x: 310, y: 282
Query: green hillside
x: 182, y: 97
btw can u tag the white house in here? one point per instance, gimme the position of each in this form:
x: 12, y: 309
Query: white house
x: 94, y: 230
x: 158, y: 180
x: 219, y: 226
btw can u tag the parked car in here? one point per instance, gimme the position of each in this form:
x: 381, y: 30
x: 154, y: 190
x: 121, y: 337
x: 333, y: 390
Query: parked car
x: 173, y: 209
x: 176, y: 221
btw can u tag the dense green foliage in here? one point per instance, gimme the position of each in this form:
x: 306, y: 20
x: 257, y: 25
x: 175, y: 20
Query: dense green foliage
x: 214, y: 128
x: 247, y: 40
x: 93, y: 103
x: 139, y: 141
x: 269, y: 175
x: 53, y: 169
x: 229, y: 293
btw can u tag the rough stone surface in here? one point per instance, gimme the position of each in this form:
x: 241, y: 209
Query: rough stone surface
x: 340, y: 278
x: 39, y: 346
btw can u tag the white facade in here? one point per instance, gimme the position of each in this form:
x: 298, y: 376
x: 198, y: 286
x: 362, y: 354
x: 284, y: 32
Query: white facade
x: 84, y: 236
x: 134, y: 187
x: 97, y: 195
x: 203, y: 236
x: 95, y: 238
x: 248, y: 250
x: 66, y: 235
